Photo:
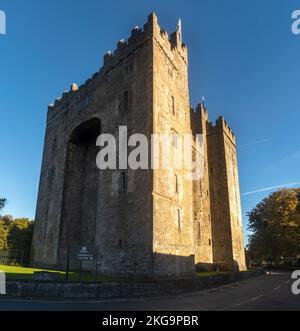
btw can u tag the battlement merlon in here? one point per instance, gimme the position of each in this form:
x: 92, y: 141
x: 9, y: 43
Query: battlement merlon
x: 222, y: 126
x: 138, y: 36
x: 125, y: 48
x: 199, y: 119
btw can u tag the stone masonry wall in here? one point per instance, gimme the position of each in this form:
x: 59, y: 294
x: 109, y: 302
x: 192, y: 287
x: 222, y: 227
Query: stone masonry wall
x: 172, y: 193
x: 121, y: 220
x: 201, y: 198
x: 226, y: 212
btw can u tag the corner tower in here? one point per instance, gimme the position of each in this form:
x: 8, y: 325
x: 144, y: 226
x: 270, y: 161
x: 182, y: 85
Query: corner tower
x: 227, y: 227
x: 172, y: 205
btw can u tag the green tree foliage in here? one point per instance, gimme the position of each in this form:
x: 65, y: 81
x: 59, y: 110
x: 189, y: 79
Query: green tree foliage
x: 3, y: 202
x: 20, y: 236
x: 5, y: 222
x: 275, y: 226
x: 16, y: 234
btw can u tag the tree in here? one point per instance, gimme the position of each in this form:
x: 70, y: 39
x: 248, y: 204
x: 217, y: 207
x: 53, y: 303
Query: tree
x: 3, y: 226
x: 3, y: 202
x: 16, y: 234
x: 298, y: 206
x: 275, y: 226
x: 5, y: 223
x: 20, y: 236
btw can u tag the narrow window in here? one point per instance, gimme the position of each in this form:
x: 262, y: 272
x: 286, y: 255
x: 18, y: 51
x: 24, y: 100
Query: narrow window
x: 198, y: 231
x: 195, y: 215
x: 209, y: 242
x: 125, y: 101
x: 45, y: 230
x: 175, y: 139
x: 176, y: 185
x: 130, y: 67
x: 54, y: 145
x: 123, y: 182
x: 179, y: 219
x: 173, y: 106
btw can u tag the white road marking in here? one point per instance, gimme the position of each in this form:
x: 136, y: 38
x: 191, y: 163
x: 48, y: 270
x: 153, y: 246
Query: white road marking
x: 242, y: 303
x: 281, y: 286
x: 257, y: 298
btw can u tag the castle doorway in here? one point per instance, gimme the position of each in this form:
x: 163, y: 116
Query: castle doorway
x: 78, y: 219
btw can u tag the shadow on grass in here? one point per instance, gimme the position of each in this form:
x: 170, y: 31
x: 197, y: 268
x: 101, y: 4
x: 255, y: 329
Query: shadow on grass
x: 211, y: 274
x: 25, y: 274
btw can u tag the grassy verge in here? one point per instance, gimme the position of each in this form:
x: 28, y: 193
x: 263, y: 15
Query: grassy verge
x: 209, y: 274
x: 19, y: 273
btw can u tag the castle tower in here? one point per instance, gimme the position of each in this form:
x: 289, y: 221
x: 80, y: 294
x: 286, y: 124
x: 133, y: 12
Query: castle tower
x: 172, y: 205
x: 201, y: 197
x: 144, y: 222
x: 227, y: 227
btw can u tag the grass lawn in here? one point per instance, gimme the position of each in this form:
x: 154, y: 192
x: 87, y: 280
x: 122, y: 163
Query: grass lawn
x: 20, y: 273
x: 209, y: 274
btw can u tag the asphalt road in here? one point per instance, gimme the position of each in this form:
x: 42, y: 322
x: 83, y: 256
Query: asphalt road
x: 267, y: 293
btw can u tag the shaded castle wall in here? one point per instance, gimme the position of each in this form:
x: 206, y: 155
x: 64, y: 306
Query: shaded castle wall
x: 79, y: 210
x: 119, y: 221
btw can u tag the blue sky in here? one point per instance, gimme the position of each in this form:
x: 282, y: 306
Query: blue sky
x: 243, y: 58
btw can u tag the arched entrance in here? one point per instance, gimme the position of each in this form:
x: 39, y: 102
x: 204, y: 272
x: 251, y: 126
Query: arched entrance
x: 79, y: 210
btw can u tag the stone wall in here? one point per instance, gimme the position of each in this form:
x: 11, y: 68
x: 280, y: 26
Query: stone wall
x: 172, y: 204
x: 121, y: 289
x: 117, y: 220
x: 227, y: 228
x: 201, y: 198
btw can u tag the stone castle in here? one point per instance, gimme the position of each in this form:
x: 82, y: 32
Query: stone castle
x: 150, y: 223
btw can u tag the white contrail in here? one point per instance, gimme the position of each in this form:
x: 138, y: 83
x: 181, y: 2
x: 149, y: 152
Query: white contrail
x: 270, y: 188
x: 257, y: 142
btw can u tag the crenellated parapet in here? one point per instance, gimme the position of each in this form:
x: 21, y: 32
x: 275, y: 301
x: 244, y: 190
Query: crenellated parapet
x: 124, y: 49
x: 221, y: 126
x: 199, y: 119
x: 172, y: 45
x: 139, y: 36
x: 200, y: 123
